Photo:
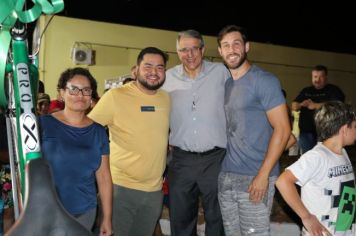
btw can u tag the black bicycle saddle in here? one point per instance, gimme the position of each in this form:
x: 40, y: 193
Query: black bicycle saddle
x: 43, y: 214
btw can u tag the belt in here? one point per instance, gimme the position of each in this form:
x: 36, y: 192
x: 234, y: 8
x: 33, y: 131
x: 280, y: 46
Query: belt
x: 215, y: 149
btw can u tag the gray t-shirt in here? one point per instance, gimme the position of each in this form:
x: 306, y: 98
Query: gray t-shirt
x: 248, y: 130
x: 197, y: 120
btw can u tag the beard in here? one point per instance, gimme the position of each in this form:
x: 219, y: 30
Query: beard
x: 236, y: 65
x: 149, y: 86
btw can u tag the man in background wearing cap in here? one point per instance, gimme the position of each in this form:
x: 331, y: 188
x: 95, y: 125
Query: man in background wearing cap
x: 43, y: 102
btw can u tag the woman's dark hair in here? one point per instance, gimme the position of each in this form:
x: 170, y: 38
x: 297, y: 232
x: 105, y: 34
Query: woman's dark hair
x: 71, y: 72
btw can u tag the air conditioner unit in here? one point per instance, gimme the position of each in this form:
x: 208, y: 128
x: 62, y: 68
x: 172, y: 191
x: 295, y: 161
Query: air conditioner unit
x: 84, y: 56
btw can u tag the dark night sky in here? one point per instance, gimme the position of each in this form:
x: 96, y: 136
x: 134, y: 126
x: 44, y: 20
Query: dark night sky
x: 327, y: 26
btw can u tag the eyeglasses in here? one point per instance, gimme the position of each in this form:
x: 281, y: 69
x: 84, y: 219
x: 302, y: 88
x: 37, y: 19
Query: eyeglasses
x: 75, y: 91
x: 194, y: 50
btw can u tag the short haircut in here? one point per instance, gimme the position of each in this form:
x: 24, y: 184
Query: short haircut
x: 191, y: 34
x: 331, y: 117
x: 151, y: 50
x: 43, y: 97
x: 71, y: 72
x: 232, y: 28
x: 321, y: 68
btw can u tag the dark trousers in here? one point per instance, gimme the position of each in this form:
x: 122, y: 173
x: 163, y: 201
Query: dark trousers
x: 191, y: 174
x: 307, y: 140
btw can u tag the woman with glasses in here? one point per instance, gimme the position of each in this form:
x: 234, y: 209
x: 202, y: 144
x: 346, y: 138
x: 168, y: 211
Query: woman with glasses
x: 77, y: 150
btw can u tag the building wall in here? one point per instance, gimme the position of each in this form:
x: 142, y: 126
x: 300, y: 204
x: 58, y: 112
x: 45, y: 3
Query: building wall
x: 117, y: 46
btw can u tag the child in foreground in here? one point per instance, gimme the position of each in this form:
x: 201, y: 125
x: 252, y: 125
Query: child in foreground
x: 328, y: 196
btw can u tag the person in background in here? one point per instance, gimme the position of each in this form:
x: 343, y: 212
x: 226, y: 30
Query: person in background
x: 43, y: 101
x: 310, y: 99
x: 292, y: 139
x: 197, y: 136
x: 56, y: 104
x: 94, y: 100
x: 294, y: 150
x: 7, y: 211
x: 41, y: 88
x: 137, y: 115
x: 165, y: 190
x: 127, y: 80
x: 258, y: 129
x: 77, y: 150
x: 134, y: 72
x: 328, y: 194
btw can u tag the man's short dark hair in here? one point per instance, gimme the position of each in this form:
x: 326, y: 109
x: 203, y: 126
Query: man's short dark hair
x: 321, y: 68
x: 152, y: 50
x: 232, y: 28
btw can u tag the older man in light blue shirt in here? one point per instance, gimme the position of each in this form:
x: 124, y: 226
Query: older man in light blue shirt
x: 198, y: 136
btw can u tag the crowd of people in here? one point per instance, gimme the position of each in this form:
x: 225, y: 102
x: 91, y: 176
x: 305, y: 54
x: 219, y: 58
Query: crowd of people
x: 225, y: 125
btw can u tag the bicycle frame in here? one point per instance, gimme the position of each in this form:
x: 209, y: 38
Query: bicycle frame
x: 18, y: 99
x: 28, y: 142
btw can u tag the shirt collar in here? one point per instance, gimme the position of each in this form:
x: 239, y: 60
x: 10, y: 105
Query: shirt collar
x: 201, y: 74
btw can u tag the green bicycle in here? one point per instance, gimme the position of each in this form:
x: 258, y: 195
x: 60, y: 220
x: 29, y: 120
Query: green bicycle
x: 36, y: 205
